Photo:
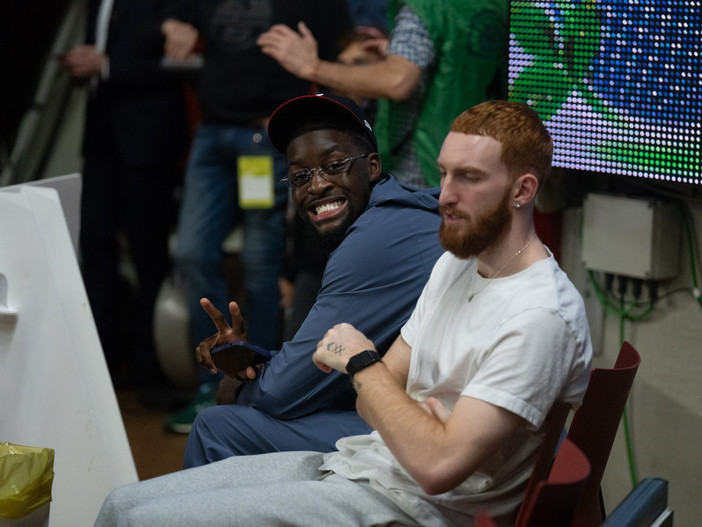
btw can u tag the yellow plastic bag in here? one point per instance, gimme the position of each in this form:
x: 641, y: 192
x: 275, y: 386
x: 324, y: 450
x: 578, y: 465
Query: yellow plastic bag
x: 26, y: 476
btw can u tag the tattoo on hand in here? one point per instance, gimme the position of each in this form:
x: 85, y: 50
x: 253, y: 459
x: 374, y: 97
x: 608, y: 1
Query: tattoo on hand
x: 335, y: 348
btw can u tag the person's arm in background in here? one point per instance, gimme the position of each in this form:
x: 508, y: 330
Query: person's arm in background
x: 84, y: 61
x: 180, y: 39
x: 180, y: 28
x: 134, y: 52
x: 394, y: 77
x: 145, y: 65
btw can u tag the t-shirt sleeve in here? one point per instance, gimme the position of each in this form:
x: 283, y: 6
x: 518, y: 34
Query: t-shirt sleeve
x: 410, y: 39
x: 533, y: 359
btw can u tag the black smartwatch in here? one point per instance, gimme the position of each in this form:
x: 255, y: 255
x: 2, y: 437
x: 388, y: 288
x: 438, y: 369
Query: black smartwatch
x: 362, y: 360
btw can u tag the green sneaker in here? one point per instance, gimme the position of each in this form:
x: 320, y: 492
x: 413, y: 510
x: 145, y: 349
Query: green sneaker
x: 182, y: 421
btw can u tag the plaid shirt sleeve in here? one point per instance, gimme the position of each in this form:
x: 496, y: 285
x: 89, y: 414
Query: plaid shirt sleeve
x: 410, y: 39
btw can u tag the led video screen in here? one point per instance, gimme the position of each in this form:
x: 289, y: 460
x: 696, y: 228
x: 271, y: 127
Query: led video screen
x: 618, y: 83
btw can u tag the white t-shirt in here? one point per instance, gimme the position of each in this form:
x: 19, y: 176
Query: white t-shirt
x: 521, y: 343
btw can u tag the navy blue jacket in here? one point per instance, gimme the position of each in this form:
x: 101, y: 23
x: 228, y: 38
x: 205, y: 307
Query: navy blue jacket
x: 372, y: 281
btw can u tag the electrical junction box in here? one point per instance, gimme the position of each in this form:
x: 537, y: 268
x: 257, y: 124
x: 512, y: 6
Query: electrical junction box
x: 634, y: 237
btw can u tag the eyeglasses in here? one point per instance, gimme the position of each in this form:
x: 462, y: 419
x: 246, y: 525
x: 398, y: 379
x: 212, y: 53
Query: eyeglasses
x: 300, y: 178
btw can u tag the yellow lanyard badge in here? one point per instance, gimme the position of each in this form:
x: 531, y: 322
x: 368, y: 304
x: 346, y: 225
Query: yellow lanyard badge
x: 255, y: 182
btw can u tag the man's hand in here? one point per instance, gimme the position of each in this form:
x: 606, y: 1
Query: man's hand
x: 226, y: 391
x: 83, y: 61
x: 296, y: 52
x: 340, y: 343
x: 377, y: 45
x: 225, y: 334
x: 180, y: 39
x: 287, y: 292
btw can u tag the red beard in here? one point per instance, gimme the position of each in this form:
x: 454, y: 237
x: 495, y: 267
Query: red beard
x: 479, y: 234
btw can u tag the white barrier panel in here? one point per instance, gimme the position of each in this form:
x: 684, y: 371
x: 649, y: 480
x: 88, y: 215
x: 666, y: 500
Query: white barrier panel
x: 55, y: 390
x: 69, y: 188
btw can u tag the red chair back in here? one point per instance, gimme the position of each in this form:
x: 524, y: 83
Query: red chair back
x: 553, y: 501
x: 594, y: 427
x: 483, y: 519
x: 544, y: 458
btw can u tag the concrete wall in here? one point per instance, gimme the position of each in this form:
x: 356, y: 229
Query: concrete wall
x: 665, y: 409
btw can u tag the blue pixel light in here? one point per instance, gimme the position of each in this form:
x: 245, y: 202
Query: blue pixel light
x: 617, y: 82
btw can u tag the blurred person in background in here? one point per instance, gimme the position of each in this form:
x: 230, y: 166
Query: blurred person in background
x: 135, y: 135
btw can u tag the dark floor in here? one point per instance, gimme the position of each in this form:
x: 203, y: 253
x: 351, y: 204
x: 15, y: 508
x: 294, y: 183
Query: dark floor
x: 155, y: 451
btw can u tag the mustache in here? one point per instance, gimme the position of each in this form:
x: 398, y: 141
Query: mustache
x: 451, y: 210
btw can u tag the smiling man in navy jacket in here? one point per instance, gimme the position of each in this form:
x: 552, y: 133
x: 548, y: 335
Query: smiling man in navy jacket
x: 384, y: 240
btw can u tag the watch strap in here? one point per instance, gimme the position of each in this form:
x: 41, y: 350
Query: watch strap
x: 362, y: 360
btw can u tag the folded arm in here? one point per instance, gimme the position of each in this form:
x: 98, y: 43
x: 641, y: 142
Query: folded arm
x: 439, y: 450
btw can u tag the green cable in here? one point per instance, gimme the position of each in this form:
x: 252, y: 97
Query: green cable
x: 628, y: 441
x: 620, y: 310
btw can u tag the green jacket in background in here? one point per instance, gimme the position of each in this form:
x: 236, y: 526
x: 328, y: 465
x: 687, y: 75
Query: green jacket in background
x: 470, y: 66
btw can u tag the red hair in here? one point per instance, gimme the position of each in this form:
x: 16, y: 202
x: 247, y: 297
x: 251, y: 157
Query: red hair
x: 527, y: 147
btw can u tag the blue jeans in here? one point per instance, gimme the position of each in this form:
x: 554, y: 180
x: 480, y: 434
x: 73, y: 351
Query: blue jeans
x: 229, y: 430
x: 209, y: 210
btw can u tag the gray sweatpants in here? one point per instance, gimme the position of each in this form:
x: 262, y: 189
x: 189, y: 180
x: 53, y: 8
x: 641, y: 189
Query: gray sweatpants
x: 266, y: 490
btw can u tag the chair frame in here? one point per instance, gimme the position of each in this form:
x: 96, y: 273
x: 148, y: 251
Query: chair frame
x: 546, y: 454
x: 553, y: 500
x: 604, y: 403
x: 594, y: 427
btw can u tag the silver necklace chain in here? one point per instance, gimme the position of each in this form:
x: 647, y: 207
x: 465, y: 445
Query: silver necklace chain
x: 495, y: 275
